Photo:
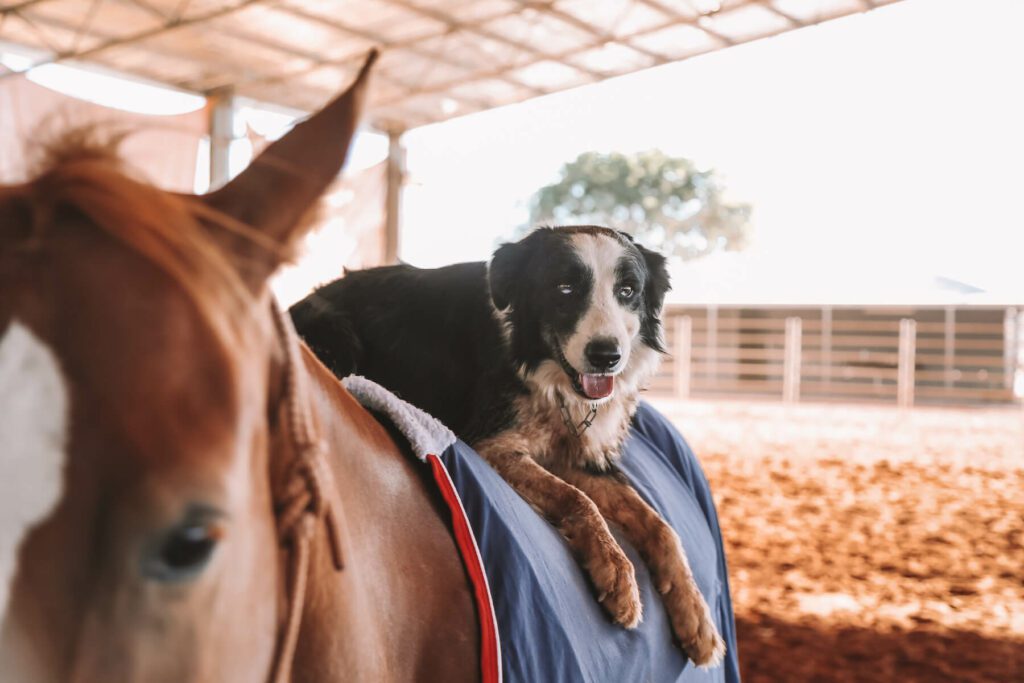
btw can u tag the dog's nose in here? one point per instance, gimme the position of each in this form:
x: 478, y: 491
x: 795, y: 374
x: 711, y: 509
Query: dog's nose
x: 602, y: 354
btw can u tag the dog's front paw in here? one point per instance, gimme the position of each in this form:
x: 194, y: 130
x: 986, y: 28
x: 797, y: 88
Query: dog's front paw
x: 707, y: 649
x: 692, y: 623
x: 615, y: 579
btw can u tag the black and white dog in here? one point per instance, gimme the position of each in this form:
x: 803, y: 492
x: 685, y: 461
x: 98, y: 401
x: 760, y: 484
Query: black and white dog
x: 536, y: 360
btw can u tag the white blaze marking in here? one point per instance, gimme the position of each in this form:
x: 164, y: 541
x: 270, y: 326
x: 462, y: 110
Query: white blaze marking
x: 33, y: 432
x: 604, y: 317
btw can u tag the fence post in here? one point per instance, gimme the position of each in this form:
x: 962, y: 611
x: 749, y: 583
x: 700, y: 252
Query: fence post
x: 1011, y: 328
x: 907, y: 360
x: 791, y: 362
x: 949, y: 345
x: 682, y: 332
x: 711, y: 343
x: 826, y: 346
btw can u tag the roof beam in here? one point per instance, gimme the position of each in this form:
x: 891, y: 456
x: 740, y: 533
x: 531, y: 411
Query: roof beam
x: 683, y: 19
x: 169, y: 25
x: 62, y: 25
x: 403, y: 102
x: 14, y: 9
x: 266, y: 43
x: 797, y: 23
x: 146, y: 7
x: 33, y: 26
x: 53, y: 22
x: 596, y: 31
x: 438, y: 15
x: 180, y: 10
x: 560, y: 57
x: 675, y: 19
x: 381, y: 40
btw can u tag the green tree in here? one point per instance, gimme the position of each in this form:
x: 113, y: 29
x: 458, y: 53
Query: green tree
x: 664, y: 202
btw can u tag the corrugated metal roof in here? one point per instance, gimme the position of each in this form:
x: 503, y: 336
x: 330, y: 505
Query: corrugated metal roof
x: 441, y: 58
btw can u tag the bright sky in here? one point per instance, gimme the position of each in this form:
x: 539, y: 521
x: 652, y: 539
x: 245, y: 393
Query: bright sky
x: 878, y: 151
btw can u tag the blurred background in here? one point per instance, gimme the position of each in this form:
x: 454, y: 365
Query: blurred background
x: 837, y: 184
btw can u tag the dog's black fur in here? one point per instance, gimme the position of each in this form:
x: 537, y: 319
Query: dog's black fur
x: 437, y: 337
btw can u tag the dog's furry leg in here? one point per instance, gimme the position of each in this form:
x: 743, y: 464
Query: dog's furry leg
x: 660, y: 547
x: 578, y: 520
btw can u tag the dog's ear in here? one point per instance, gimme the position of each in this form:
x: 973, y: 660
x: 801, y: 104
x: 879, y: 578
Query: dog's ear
x: 505, y: 272
x: 656, y: 287
x: 502, y: 271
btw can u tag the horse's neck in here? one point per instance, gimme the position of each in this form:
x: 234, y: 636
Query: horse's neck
x: 374, y: 620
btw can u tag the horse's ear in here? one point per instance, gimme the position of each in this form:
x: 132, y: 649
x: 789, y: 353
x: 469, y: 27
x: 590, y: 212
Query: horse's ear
x: 275, y: 193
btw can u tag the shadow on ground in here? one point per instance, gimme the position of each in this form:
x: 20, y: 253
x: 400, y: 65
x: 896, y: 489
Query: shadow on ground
x: 772, y: 650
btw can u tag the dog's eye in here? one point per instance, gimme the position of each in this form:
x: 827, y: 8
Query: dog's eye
x: 565, y: 289
x: 626, y: 291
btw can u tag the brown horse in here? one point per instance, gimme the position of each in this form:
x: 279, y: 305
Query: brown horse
x: 185, y: 494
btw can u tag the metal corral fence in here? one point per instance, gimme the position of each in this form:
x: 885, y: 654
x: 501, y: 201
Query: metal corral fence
x: 926, y: 354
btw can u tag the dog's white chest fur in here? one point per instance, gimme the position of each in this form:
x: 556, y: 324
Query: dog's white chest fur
x: 541, y: 417
x: 33, y: 434
x: 609, y: 423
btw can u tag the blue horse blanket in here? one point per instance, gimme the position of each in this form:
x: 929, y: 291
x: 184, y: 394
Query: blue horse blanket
x: 550, y: 627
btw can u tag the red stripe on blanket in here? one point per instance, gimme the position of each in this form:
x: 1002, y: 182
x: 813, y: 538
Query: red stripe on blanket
x: 490, y: 654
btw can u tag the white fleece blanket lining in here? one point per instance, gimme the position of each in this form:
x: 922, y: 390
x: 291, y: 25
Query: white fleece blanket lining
x: 425, y: 433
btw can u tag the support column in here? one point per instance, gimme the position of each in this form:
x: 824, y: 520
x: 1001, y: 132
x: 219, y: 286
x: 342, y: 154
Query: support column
x: 221, y: 110
x: 393, y: 197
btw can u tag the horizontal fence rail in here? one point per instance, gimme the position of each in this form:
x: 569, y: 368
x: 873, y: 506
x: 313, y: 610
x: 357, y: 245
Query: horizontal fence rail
x: 907, y: 356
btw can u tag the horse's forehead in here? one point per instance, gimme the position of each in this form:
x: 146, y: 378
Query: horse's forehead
x: 153, y: 388
x: 132, y: 334
x: 33, y: 440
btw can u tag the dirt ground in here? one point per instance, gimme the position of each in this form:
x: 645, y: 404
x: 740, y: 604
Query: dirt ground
x: 869, y: 543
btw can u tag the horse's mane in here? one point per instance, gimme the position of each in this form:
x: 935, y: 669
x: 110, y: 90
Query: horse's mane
x: 82, y: 171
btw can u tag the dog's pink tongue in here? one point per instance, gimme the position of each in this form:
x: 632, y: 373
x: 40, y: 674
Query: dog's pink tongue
x: 597, y: 386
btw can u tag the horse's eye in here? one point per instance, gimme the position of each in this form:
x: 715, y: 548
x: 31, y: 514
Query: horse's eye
x: 626, y: 291
x: 183, y: 552
x: 565, y: 289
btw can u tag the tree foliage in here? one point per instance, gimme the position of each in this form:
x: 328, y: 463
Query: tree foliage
x: 666, y: 203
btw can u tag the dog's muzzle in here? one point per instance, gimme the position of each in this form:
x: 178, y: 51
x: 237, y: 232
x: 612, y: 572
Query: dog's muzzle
x: 592, y: 386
